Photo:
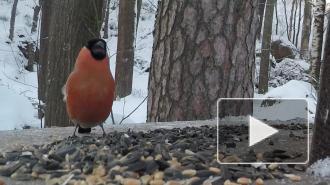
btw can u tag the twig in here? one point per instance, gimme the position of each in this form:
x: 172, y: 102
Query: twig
x: 133, y: 110
x: 18, y: 81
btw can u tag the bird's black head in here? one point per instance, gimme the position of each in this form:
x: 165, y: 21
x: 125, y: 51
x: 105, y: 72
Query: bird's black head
x: 98, y: 48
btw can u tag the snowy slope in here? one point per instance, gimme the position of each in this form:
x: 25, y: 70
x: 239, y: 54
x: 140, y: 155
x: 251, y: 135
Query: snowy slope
x: 18, y: 87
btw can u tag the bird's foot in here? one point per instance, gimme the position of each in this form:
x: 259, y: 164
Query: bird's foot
x: 104, y: 134
x: 74, y: 133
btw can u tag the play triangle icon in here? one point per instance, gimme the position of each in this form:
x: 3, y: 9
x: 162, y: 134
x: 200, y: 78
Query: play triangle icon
x: 259, y: 131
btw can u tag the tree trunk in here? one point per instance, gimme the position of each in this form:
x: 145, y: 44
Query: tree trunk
x: 138, y: 13
x: 286, y: 19
x: 31, y: 44
x: 321, y: 136
x: 294, y: 23
x: 12, y: 20
x: 36, y: 11
x: 276, y: 15
x: 73, y: 23
x: 261, y: 12
x: 46, y: 8
x: 266, y: 42
x: 317, y: 41
x: 291, y: 19
x: 299, y: 23
x: 306, y: 31
x: 203, y: 50
x: 31, y: 56
x: 125, y: 48
x: 106, y: 20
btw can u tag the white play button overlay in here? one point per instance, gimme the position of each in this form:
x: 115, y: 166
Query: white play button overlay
x: 259, y: 131
x: 262, y: 130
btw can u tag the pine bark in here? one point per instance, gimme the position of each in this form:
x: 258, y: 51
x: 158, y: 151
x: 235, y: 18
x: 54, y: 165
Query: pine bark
x: 203, y: 50
x: 321, y: 137
x: 13, y: 20
x: 125, y: 48
x: 73, y: 23
x: 306, y: 31
x: 266, y: 47
x: 317, y: 41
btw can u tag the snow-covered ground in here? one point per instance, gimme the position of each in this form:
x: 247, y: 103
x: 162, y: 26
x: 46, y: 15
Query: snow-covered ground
x: 18, y: 87
x: 298, y: 96
x: 320, y: 168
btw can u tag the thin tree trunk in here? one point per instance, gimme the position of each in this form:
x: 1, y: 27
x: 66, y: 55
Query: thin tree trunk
x: 73, y: 23
x: 266, y: 42
x: 306, y: 31
x: 138, y: 13
x: 46, y: 10
x: 286, y: 19
x: 31, y: 44
x: 317, y: 41
x: 294, y: 23
x: 299, y: 21
x: 31, y: 56
x: 106, y: 20
x: 125, y: 48
x: 202, y: 51
x: 321, y: 137
x: 291, y: 19
x: 261, y: 12
x: 12, y: 20
x: 36, y: 11
x: 276, y: 25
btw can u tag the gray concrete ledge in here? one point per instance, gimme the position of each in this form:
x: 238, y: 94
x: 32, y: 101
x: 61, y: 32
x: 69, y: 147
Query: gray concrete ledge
x: 9, y: 140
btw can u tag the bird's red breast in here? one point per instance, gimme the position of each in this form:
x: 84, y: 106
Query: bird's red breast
x: 89, y: 90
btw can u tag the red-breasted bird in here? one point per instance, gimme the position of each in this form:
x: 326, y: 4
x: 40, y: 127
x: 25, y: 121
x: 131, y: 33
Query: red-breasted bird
x: 90, y: 88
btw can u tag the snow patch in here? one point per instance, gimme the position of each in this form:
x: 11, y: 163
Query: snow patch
x: 16, y: 111
x: 287, y: 70
x: 320, y: 168
x: 294, y: 89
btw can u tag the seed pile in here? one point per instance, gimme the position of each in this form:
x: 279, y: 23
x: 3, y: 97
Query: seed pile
x: 173, y: 157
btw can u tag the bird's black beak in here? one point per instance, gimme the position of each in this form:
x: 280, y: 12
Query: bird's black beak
x: 99, y: 50
x: 100, y: 44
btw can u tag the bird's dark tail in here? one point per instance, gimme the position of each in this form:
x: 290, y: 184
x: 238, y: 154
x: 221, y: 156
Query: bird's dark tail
x: 84, y: 130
